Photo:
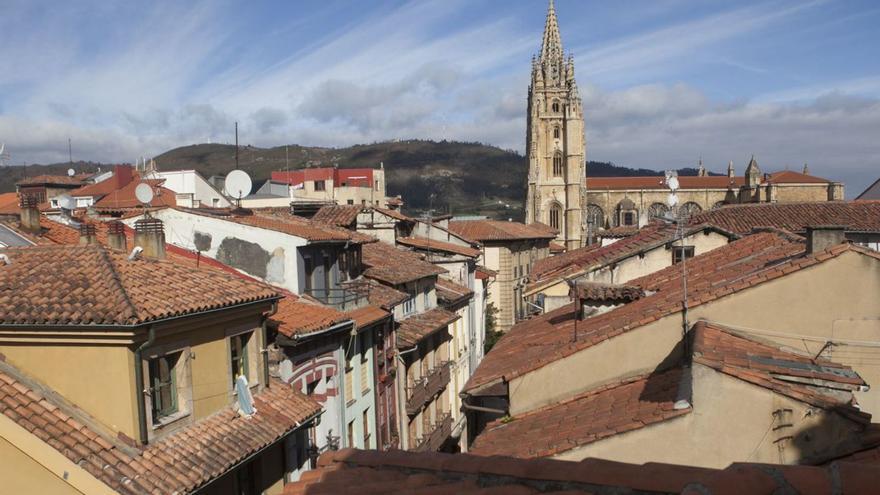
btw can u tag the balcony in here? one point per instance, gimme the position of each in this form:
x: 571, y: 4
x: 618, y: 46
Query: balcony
x: 433, y: 440
x: 427, y: 388
x: 339, y: 298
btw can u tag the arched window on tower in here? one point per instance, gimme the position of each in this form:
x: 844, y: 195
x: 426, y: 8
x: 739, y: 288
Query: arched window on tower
x: 555, y: 215
x: 557, y: 133
x: 555, y: 106
x: 558, y: 169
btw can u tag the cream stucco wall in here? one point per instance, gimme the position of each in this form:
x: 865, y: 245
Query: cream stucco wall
x: 97, y: 378
x: 732, y: 421
x: 21, y: 474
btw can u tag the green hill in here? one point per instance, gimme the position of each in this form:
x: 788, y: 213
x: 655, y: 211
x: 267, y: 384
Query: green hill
x: 453, y: 177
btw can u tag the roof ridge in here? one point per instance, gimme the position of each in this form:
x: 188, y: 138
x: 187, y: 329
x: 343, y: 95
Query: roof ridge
x: 117, y: 277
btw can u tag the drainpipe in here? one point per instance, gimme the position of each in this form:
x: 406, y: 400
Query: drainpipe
x: 265, y: 350
x: 139, y: 383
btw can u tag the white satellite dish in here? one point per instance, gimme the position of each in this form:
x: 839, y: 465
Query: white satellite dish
x: 144, y: 193
x: 672, y: 181
x: 71, y: 172
x: 238, y: 184
x: 672, y: 200
x: 66, y: 201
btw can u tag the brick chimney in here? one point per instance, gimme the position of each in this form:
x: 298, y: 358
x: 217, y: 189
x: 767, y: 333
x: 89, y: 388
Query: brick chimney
x: 122, y: 175
x: 30, y: 215
x: 150, y: 235
x: 87, y: 234
x: 822, y: 237
x: 116, y: 236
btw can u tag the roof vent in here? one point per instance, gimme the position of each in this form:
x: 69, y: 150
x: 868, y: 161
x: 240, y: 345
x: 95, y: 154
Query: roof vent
x: 822, y: 237
x: 30, y: 215
x: 116, y: 235
x: 87, y: 234
x: 150, y: 234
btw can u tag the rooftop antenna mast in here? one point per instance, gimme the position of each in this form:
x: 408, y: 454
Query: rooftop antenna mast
x: 236, y: 145
x: 679, y: 215
x: 69, y: 152
x: 4, y: 155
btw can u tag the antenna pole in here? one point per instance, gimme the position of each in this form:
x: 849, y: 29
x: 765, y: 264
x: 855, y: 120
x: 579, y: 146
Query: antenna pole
x: 69, y: 152
x: 236, y: 145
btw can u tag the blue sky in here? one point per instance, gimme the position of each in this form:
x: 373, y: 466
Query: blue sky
x: 663, y: 81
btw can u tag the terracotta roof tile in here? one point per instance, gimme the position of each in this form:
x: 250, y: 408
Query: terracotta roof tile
x: 377, y: 294
x: 395, y: 266
x: 125, y: 198
x: 367, y: 472
x: 281, y: 221
x: 9, y: 204
x: 179, y: 463
x: 744, y: 263
x: 496, y: 230
x: 433, y: 245
x: 367, y: 315
x: 414, y: 329
x: 449, y: 292
x: 60, y: 180
x: 858, y: 216
x: 792, y: 177
x: 394, y: 214
x: 91, y: 285
x: 338, y: 215
x: 818, y: 382
x: 659, y: 182
x: 597, y: 291
x: 556, y: 248
x: 297, y: 316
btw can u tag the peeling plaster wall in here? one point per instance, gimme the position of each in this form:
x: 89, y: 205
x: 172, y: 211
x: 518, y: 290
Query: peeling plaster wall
x: 262, y: 253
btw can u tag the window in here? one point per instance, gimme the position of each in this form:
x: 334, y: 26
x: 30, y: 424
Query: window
x: 238, y: 346
x: 681, y: 252
x: 163, y: 385
x: 309, y: 268
x: 555, y: 106
x: 557, y: 165
x: 556, y: 132
x: 363, y: 202
x: 377, y: 185
x: 328, y: 265
x: 366, y: 420
x: 351, y: 201
x: 628, y: 218
x: 215, y: 202
x: 319, y: 185
x: 426, y: 298
x: 351, y: 433
x: 409, y: 305
x: 555, y: 216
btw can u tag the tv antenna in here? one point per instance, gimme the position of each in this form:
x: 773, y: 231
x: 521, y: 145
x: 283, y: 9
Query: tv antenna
x: 238, y: 185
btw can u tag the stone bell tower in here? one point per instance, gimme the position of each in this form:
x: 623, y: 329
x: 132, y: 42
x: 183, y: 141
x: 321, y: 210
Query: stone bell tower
x: 555, y: 141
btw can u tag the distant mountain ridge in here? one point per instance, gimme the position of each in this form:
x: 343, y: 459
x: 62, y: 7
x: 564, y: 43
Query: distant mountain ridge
x: 446, y: 176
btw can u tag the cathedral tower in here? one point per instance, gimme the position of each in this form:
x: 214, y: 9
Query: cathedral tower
x: 555, y: 141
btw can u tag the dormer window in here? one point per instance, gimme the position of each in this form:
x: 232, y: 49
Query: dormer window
x: 163, y: 386
x: 238, y: 346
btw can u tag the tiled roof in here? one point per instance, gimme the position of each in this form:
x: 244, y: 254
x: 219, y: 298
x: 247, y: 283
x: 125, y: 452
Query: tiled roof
x: 556, y: 248
x: 858, y: 216
x: 659, y: 182
x: 59, y: 180
x: 365, y: 472
x: 93, y: 285
x: 449, y: 292
x: 296, y: 316
x: 378, y: 294
x: 792, y: 177
x: 394, y: 214
x: 496, y: 230
x: 618, y: 232
x: 367, y: 315
x: 179, y: 463
x: 483, y: 273
x: 414, y: 329
x: 586, y: 258
x: 339, y: 215
x: 395, y: 266
x: 817, y: 382
x: 597, y: 291
x: 9, y: 204
x: 587, y: 418
x: 739, y: 265
x: 125, y: 197
x: 433, y: 245
x: 284, y: 223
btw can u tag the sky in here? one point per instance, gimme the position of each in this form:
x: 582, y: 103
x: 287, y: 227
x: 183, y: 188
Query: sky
x: 664, y: 82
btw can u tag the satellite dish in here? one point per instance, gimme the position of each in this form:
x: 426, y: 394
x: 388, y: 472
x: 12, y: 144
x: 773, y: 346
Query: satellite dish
x: 238, y: 184
x: 672, y: 181
x: 66, y: 202
x: 144, y: 193
x: 71, y: 172
x: 672, y: 200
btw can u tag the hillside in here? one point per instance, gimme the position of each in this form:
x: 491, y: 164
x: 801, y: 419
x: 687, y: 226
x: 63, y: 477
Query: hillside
x: 464, y: 178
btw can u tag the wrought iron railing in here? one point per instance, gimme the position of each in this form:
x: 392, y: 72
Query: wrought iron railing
x: 426, y: 388
x: 432, y: 441
x: 339, y: 297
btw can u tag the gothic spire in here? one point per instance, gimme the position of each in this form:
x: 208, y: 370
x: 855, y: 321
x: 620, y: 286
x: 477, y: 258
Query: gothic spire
x: 551, y: 48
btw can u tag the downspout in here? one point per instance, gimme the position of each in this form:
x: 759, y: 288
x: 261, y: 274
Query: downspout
x: 265, y: 334
x: 139, y: 383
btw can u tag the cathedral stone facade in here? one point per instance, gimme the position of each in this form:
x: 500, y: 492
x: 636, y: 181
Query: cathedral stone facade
x: 555, y: 141
x: 561, y: 196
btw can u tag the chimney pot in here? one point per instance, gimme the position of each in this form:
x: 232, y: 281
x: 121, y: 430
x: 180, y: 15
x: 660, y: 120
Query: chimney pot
x: 87, y: 234
x: 822, y: 237
x: 30, y: 215
x: 150, y: 235
x: 116, y: 236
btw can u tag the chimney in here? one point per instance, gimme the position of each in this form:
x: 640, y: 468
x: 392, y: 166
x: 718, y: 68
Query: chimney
x: 122, y: 175
x: 822, y: 237
x: 87, y: 234
x: 150, y: 235
x: 30, y: 215
x: 116, y: 236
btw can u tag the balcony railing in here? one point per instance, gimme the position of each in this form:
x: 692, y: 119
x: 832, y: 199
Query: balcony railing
x: 339, y: 298
x: 434, y: 439
x: 424, y: 390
